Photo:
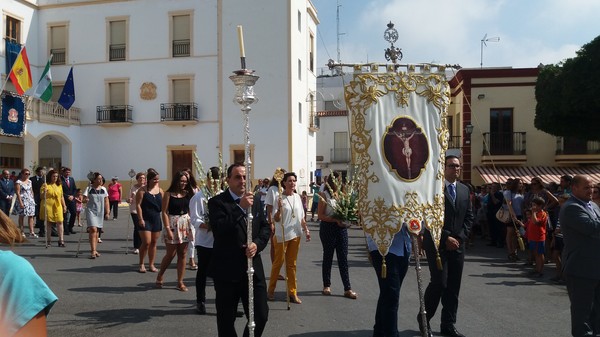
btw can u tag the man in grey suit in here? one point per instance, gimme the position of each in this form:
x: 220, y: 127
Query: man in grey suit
x: 580, y: 224
x: 445, y: 284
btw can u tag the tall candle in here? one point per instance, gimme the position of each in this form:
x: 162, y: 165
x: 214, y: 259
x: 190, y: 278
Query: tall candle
x: 241, y: 40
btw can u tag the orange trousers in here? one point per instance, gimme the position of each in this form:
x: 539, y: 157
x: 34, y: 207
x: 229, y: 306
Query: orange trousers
x: 291, y: 249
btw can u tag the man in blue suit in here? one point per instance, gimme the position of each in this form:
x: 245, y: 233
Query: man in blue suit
x: 580, y: 224
x: 69, y: 189
x: 7, y: 192
x: 445, y: 283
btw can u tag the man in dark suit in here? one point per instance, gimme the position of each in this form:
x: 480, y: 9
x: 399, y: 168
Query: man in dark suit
x: 579, y: 220
x: 229, y: 265
x: 7, y: 192
x: 445, y: 283
x: 69, y: 188
x: 36, y: 184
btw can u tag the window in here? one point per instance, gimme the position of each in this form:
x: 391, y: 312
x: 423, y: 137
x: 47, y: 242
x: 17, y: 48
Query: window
x: 117, y: 40
x: 12, y: 31
x: 181, y: 90
x: 239, y: 156
x: 181, y: 35
x: 116, y: 93
x: 58, y: 44
x: 330, y: 106
x: 299, y: 70
x: 501, y: 131
x: 56, y: 91
x: 300, y: 112
x: 299, y: 21
x: 311, y: 53
x: 341, y: 151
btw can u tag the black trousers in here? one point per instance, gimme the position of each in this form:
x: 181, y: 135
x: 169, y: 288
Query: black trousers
x: 444, y: 285
x: 228, y: 295
x: 584, y: 295
x: 204, y: 256
x: 72, y: 208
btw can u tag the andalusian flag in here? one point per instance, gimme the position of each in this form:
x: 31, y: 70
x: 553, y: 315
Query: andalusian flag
x: 43, y: 90
x: 20, y: 74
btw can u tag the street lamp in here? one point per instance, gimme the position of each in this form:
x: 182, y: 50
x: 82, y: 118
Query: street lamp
x: 483, y: 43
x: 468, y: 131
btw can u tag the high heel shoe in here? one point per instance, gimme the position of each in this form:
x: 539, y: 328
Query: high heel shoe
x: 61, y: 243
x: 182, y: 287
x: 295, y: 299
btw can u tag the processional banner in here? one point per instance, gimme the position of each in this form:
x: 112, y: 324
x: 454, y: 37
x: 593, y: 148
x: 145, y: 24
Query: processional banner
x: 12, y: 122
x: 399, y: 138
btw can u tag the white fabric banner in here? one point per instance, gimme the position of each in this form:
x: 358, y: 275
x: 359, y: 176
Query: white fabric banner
x: 399, y: 139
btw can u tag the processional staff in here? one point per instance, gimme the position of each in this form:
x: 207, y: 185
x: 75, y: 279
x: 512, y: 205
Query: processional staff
x: 244, y: 81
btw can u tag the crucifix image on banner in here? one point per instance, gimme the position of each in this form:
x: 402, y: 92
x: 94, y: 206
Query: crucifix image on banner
x: 399, y: 139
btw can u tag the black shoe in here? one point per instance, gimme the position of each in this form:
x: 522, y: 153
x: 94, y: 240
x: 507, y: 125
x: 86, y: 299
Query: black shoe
x: 201, y: 308
x: 66, y: 233
x: 422, y: 328
x: 239, y: 314
x: 450, y: 330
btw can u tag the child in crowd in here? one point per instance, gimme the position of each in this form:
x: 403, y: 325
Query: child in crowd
x: 537, y: 233
x: 79, y: 204
x: 527, y: 220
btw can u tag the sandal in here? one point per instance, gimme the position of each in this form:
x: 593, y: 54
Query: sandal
x: 295, y: 299
x: 61, y: 244
x: 153, y: 269
x: 194, y: 267
x: 95, y: 254
x: 142, y: 269
x: 326, y: 291
x: 158, y: 284
x: 350, y: 294
x: 182, y: 287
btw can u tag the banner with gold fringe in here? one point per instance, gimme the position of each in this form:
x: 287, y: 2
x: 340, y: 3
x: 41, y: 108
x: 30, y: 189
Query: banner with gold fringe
x: 399, y: 138
x: 13, y: 115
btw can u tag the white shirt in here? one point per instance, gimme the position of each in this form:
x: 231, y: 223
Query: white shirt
x: 292, y: 226
x: 204, y: 237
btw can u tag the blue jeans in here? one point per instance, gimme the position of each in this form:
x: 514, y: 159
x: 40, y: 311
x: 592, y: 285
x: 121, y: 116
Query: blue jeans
x: 386, y: 314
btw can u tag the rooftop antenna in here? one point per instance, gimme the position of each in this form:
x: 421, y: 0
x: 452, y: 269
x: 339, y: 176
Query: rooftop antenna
x: 337, y: 20
x: 483, y: 43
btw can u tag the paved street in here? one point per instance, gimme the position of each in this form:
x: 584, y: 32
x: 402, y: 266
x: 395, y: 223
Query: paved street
x: 107, y: 297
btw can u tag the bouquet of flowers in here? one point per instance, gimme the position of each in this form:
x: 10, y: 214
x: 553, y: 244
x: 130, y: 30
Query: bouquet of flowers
x: 343, y: 200
x: 209, y: 187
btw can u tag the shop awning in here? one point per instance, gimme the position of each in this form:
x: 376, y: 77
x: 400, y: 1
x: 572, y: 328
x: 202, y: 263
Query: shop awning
x: 526, y: 173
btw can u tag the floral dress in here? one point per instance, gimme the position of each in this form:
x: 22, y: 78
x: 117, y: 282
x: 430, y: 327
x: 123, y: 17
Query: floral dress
x: 179, y: 220
x: 26, y: 192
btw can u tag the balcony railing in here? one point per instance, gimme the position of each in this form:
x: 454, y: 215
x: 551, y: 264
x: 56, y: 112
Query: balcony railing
x: 340, y: 155
x: 117, y: 52
x: 114, y: 114
x: 181, y: 48
x: 53, y: 113
x: 454, y: 142
x: 314, y: 122
x: 504, y: 143
x: 576, y: 146
x: 178, y: 112
x: 59, y: 55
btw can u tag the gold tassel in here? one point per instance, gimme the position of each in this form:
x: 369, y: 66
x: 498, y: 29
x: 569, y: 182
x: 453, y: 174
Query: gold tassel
x: 521, y: 243
x: 438, y: 261
x: 383, y: 269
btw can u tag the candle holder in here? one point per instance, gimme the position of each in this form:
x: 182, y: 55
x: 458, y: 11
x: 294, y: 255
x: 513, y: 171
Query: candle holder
x: 244, y: 81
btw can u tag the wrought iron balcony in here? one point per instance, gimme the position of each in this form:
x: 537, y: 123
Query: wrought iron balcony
x: 114, y: 114
x: 178, y: 112
x: 314, y: 122
x: 58, y: 55
x: 568, y: 145
x: 340, y: 155
x: 181, y: 48
x: 504, y: 143
x: 454, y: 142
x: 117, y: 52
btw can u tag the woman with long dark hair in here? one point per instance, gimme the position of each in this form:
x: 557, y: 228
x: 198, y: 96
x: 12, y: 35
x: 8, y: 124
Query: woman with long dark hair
x: 176, y: 229
x: 97, y: 210
x: 149, y: 204
x: 334, y: 237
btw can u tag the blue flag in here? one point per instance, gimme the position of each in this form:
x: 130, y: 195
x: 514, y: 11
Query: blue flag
x: 12, y: 122
x: 67, y: 96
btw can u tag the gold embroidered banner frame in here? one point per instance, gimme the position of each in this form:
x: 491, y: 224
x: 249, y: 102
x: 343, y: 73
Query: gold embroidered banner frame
x: 399, y: 138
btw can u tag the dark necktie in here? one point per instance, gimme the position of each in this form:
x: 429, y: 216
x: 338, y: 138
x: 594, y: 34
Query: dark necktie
x: 452, y: 191
x: 67, y: 181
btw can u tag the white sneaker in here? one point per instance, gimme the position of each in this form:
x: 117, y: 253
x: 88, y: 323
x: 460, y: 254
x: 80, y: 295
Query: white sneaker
x: 136, y: 251
x: 99, y: 240
x: 33, y: 236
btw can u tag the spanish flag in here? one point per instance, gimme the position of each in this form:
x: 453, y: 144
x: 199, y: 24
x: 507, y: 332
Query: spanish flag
x: 20, y: 74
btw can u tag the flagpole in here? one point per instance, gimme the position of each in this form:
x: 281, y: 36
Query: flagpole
x: 11, y: 68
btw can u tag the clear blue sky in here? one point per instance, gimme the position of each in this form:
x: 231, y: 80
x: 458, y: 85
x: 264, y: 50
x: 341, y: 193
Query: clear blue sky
x: 450, y: 32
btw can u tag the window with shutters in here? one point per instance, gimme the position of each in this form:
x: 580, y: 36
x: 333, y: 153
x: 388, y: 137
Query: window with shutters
x: 117, y: 45
x: 12, y: 30
x: 181, y: 35
x: 58, y: 43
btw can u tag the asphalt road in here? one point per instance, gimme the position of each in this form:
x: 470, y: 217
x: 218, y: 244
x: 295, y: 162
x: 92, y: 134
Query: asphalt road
x: 107, y: 297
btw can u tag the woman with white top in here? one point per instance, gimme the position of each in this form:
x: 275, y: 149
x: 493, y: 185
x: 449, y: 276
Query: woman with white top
x: 289, y: 224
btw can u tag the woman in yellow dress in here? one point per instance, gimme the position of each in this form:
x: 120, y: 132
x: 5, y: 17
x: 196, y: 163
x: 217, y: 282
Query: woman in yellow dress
x: 53, y: 206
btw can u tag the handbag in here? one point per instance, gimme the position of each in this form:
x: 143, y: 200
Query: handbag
x: 503, y: 215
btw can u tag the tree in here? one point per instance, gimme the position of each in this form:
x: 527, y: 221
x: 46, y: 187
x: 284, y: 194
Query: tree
x: 568, y: 95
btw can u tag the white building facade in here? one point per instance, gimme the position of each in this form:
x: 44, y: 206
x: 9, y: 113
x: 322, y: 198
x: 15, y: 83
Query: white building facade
x: 152, y: 84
